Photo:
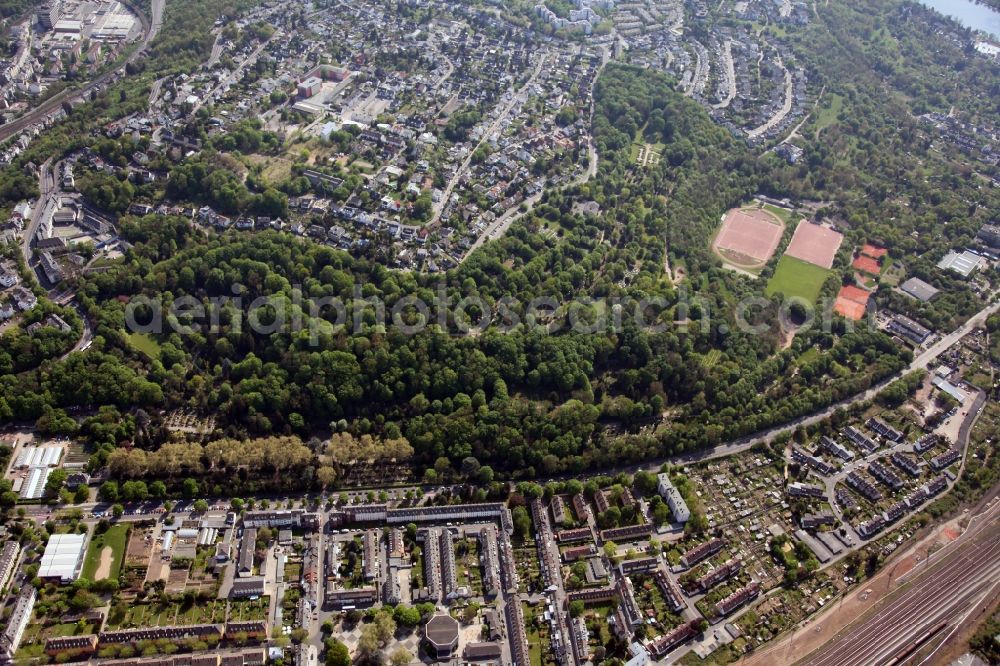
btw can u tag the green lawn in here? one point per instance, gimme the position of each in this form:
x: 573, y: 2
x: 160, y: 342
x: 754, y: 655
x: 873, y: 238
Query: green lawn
x: 249, y: 610
x: 808, y: 356
x: 209, y: 612
x: 144, y: 343
x: 828, y: 114
x: 794, y: 277
x: 170, y: 613
x: 783, y: 214
x: 116, y: 537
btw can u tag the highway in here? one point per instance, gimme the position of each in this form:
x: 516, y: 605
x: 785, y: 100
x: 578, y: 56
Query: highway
x: 38, y: 114
x: 955, y: 581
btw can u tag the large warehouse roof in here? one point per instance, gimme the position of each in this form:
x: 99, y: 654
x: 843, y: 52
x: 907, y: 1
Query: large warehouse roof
x: 919, y: 289
x: 62, y: 557
x: 38, y: 456
x: 34, y: 486
x: 962, y: 263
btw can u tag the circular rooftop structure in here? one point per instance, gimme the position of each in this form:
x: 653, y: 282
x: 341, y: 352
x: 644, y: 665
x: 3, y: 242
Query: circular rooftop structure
x: 441, y: 632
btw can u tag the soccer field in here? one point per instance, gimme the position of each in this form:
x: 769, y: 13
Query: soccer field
x: 794, y: 277
x: 115, y: 538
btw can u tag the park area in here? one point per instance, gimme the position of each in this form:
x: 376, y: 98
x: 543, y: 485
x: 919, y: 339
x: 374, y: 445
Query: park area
x: 815, y: 244
x: 144, y: 343
x: 748, y: 238
x: 798, y: 278
x: 105, y: 553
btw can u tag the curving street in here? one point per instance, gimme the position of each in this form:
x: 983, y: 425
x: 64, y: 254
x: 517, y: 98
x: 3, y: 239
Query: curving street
x: 151, y: 26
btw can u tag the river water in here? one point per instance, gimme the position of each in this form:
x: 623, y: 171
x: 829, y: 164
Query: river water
x: 968, y: 13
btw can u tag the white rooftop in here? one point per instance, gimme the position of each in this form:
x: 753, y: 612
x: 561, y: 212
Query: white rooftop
x: 34, y: 485
x: 63, y: 557
x: 962, y: 263
x: 949, y: 388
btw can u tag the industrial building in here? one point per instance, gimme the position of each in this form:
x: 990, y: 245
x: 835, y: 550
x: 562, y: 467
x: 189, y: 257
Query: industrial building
x: 113, y: 23
x: 964, y: 263
x: 63, y: 557
x: 950, y: 389
x: 918, y: 289
x: 38, y: 456
x: 34, y: 485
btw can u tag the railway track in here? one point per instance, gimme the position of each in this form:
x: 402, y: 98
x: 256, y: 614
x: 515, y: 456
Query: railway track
x: 38, y: 115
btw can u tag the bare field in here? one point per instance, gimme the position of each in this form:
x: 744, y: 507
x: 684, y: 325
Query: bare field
x: 815, y: 244
x: 748, y: 237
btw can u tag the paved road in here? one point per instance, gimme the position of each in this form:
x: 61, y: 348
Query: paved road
x: 86, y: 338
x: 46, y: 186
x: 730, y: 72
x: 40, y: 112
x: 948, y: 587
x: 785, y: 109
x: 492, y: 129
x: 154, y: 90
x: 216, y: 54
x: 500, y: 225
x: 237, y: 73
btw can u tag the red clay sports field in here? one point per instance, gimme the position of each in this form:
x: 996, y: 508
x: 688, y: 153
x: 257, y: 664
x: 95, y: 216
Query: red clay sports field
x: 748, y: 237
x: 815, y: 244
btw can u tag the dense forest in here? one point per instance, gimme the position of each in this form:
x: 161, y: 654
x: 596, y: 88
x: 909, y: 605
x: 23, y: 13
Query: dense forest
x: 537, y: 398
x: 875, y: 161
